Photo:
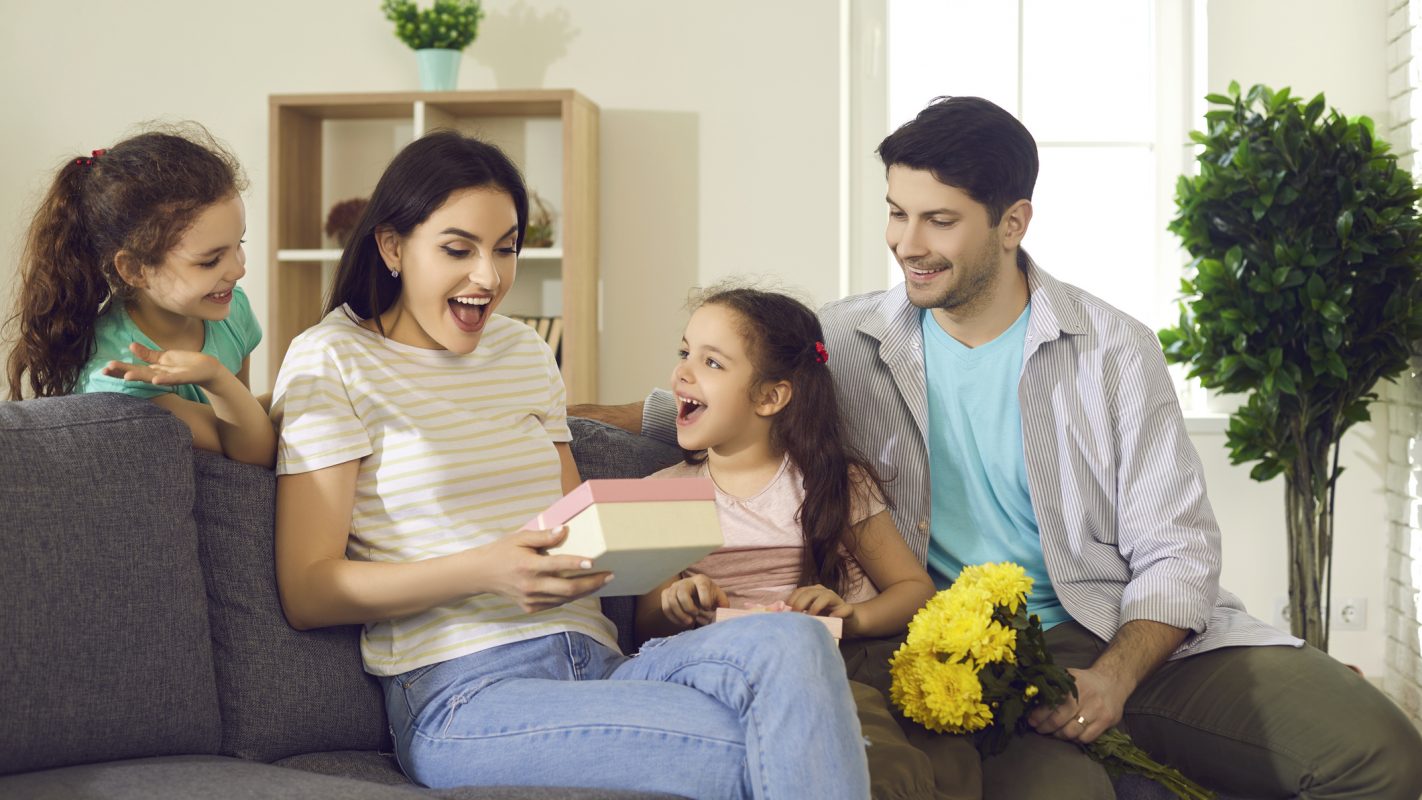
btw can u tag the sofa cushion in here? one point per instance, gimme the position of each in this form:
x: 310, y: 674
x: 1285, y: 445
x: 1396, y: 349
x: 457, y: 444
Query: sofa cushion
x: 194, y: 778
x: 283, y: 691
x: 103, y: 612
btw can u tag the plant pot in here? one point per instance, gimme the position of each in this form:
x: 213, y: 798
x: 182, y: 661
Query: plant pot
x: 439, y: 69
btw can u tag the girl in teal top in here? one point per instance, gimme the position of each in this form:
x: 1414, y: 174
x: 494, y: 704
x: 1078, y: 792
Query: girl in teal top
x: 129, y: 284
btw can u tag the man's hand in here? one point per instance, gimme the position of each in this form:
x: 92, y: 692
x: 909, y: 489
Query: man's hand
x: 1137, y: 650
x: 1098, y: 706
x: 627, y: 417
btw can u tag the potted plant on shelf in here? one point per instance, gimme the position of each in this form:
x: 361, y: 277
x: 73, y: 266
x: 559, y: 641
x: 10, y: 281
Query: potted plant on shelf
x: 437, y: 35
x: 1305, y: 291
x: 540, y: 223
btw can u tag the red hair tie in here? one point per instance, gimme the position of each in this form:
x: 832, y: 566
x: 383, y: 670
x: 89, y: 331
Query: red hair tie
x: 821, y: 354
x: 89, y: 162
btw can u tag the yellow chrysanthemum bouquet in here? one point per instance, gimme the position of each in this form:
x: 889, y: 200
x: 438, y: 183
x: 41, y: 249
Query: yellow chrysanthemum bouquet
x: 976, y: 662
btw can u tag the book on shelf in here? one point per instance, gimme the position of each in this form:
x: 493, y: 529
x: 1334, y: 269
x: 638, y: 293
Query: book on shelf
x: 549, y: 329
x: 643, y: 531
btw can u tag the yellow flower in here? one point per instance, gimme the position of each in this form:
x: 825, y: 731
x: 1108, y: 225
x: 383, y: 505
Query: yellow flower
x: 943, y: 697
x: 1031, y: 692
x: 1006, y: 584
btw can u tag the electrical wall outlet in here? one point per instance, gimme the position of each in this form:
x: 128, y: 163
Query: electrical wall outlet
x: 1347, y: 614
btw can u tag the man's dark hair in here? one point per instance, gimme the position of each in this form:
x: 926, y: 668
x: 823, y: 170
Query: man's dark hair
x: 971, y: 144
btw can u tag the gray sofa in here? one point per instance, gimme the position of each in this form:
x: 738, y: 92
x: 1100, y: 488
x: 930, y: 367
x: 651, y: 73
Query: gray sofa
x: 146, y: 655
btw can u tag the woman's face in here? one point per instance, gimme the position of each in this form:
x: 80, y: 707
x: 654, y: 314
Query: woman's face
x: 454, y: 269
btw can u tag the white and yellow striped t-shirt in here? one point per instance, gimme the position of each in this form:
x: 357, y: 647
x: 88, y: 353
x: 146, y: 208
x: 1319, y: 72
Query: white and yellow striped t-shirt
x: 455, y: 452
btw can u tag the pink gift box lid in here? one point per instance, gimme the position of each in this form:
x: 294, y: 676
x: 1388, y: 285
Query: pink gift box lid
x: 621, y: 490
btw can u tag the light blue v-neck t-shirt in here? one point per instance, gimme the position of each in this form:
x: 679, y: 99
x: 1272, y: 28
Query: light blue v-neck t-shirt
x: 982, y: 509
x: 230, y: 341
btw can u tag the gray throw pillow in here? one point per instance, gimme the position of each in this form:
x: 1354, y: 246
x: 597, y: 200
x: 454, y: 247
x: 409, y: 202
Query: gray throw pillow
x: 284, y: 692
x: 102, y: 611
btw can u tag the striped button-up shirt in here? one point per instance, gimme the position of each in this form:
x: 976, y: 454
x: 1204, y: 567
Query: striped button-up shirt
x: 1126, y: 530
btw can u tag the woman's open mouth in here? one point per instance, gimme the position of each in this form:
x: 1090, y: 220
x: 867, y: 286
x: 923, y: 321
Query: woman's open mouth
x: 470, y: 313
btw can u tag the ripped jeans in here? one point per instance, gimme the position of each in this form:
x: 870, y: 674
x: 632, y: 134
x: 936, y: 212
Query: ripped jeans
x: 753, y: 707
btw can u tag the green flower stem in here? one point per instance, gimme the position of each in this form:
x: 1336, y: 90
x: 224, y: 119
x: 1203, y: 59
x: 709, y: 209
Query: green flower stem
x: 1116, y: 752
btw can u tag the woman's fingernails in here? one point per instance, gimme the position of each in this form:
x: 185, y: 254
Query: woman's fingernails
x: 585, y: 564
x: 610, y: 576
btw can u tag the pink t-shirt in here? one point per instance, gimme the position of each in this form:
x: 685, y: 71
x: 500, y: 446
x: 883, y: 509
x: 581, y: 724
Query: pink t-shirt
x: 760, y: 562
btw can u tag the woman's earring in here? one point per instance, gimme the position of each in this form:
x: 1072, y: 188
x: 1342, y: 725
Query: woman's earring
x: 394, y: 273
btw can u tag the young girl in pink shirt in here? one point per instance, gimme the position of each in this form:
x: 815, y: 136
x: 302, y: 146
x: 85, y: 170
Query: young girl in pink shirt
x: 802, y: 515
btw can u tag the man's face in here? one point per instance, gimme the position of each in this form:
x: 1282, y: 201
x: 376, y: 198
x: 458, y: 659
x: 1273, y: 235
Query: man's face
x: 942, y: 239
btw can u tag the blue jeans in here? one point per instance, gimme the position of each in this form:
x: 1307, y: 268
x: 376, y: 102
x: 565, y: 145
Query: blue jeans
x: 752, y: 707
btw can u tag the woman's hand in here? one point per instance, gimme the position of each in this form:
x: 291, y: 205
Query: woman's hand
x: 693, y: 601
x: 168, y: 367
x: 820, y: 602
x: 517, y: 567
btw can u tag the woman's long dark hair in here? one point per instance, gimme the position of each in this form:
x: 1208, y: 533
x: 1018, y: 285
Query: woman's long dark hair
x: 419, y: 179
x: 140, y: 195
x: 785, y: 343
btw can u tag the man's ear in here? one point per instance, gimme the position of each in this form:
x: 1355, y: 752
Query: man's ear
x: 130, y: 270
x: 771, y: 398
x: 389, y: 243
x: 1014, y: 223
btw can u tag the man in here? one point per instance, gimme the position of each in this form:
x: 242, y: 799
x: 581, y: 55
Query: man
x: 1026, y: 420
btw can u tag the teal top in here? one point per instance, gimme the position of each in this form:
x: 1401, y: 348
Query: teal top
x: 230, y: 341
x: 982, y: 510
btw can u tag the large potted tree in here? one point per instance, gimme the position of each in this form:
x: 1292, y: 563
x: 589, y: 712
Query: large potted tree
x: 1304, y: 291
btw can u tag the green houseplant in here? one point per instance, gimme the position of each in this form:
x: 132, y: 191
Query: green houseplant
x: 1304, y: 290
x: 437, y: 35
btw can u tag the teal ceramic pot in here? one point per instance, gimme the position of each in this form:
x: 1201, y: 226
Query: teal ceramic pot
x: 439, y: 69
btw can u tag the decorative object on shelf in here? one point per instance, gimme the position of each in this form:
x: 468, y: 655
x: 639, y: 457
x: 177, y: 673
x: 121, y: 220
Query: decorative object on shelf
x: 437, y: 35
x: 540, y: 223
x: 341, y: 222
x: 1305, y: 290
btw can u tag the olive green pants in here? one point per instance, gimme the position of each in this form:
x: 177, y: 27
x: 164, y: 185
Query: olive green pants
x: 1256, y: 722
x: 905, y: 759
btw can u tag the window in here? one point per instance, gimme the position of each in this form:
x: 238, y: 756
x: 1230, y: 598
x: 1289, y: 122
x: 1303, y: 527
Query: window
x: 1107, y: 87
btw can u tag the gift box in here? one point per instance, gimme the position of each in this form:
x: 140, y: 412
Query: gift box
x: 642, y: 531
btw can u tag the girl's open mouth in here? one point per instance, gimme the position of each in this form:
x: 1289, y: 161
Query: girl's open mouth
x: 221, y: 298
x: 688, y: 410
x: 469, y: 313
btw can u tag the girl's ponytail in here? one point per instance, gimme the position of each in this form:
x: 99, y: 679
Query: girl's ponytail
x: 61, y: 291
x: 138, y: 196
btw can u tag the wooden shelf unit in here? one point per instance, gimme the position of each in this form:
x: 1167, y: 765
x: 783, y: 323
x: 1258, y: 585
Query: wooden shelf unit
x: 310, y: 134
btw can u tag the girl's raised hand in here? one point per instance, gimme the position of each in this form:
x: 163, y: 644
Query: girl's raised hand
x: 693, y: 601
x: 517, y: 567
x: 167, y: 367
x: 820, y: 602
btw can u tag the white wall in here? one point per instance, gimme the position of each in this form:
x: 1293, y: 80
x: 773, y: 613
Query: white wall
x: 719, y: 124
x: 1335, y: 47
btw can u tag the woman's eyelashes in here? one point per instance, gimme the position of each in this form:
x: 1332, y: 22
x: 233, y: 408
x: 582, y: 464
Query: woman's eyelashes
x: 457, y: 252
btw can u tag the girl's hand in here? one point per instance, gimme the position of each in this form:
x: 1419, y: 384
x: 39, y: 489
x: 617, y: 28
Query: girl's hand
x: 693, y: 601
x: 517, y: 567
x: 168, y: 367
x: 820, y: 602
